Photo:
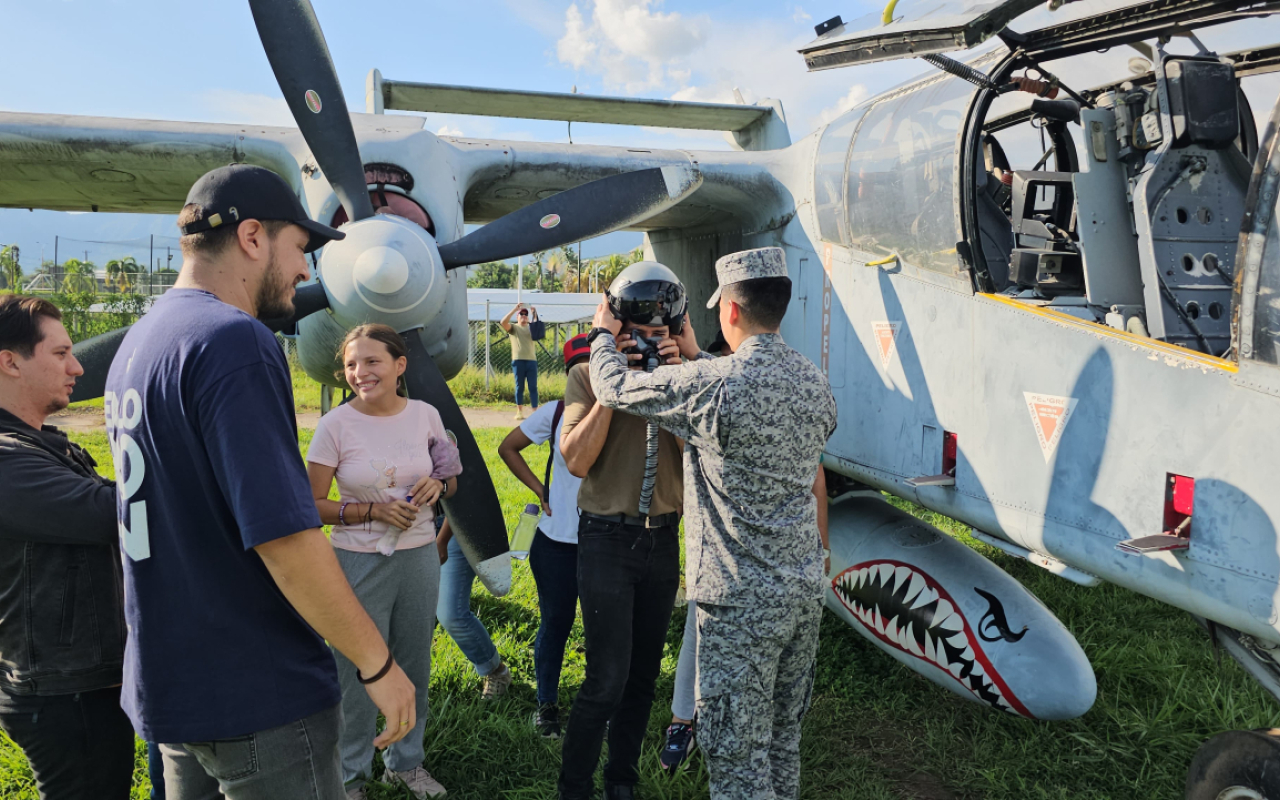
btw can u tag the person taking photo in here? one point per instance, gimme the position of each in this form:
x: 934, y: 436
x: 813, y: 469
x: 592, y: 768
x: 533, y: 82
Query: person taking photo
x: 524, y: 355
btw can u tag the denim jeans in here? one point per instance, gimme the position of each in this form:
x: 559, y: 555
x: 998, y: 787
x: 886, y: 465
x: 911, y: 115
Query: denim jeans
x: 453, y: 609
x: 627, y: 581
x: 80, y: 746
x: 555, y: 570
x: 526, y: 371
x: 297, y: 760
x: 155, y: 770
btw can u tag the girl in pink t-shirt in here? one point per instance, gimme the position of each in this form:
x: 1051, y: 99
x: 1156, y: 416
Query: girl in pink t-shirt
x: 392, y: 460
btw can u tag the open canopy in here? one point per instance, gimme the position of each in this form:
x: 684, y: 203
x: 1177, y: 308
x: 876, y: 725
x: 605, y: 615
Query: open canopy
x: 922, y: 27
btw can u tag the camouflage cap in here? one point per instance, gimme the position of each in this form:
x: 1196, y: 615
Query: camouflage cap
x: 764, y: 262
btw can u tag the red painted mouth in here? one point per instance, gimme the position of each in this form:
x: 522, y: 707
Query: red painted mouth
x: 909, y: 611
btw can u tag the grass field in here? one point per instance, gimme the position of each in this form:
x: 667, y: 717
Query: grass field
x: 876, y: 730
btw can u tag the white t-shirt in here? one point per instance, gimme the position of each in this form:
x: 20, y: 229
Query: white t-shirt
x: 378, y: 460
x: 562, y: 525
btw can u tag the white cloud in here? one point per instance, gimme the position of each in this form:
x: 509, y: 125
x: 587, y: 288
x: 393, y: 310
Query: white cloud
x: 634, y: 47
x: 631, y: 44
x: 449, y: 130
x: 856, y: 94
x: 228, y: 105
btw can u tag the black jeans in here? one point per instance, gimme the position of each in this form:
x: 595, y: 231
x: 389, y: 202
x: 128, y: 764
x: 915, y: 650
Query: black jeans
x: 79, y: 745
x: 555, y: 570
x: 627, y: 581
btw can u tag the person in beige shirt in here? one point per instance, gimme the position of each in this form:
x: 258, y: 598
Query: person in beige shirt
x: 628, y: 556
x: 524, y: 354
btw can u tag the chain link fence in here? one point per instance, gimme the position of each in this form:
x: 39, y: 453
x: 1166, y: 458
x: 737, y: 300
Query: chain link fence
x: 495, y: 348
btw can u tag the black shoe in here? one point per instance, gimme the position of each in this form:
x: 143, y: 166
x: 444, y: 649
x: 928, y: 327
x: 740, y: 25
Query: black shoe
x: 675, y: 753
x: 619, y: 792
x: 546, y: 721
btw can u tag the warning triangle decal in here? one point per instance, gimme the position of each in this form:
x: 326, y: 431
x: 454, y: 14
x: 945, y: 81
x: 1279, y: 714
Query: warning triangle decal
x: 886, y: 334
x: 1049, y: 416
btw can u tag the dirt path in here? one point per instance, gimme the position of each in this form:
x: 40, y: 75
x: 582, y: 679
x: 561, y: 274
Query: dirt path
x: 88, y: 419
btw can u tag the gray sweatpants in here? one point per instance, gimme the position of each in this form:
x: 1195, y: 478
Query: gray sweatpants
x: 399, y: 592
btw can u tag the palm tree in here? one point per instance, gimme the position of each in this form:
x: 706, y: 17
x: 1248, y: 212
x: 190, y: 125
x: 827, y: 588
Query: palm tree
x: 78, y: 276
x: 10, y: 269
x: 121, y: 272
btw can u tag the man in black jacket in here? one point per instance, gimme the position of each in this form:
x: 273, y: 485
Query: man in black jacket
x: 62, y: 630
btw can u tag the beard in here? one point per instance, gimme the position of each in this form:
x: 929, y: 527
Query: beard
x: 275, y: 295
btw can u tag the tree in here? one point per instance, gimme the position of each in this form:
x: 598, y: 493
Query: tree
x: 122, y: 272
x: 492, y: 275
x: 78, y: 276
x: 10, y: 269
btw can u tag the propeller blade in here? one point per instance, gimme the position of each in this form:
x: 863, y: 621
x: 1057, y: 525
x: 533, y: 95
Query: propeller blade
x: 307, y: 300
x: 95, y: 355
x: 299, y: 57
x: 474, y: 512
x: 592, y: 209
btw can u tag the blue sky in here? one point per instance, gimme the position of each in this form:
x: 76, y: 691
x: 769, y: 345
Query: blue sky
x: 199, y: 61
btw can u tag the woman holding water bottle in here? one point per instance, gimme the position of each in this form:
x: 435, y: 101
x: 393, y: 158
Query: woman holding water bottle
x: 553, y: 547
x: 392, y: 461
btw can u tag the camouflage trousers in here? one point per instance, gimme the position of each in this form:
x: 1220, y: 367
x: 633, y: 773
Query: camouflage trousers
x: 755, y: 678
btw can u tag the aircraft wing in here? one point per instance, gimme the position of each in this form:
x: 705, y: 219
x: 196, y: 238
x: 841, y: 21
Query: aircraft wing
x: 502, y: 177
x: 72, y: 163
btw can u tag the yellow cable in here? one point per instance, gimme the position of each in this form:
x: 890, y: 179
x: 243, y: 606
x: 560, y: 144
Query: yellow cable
x: 882, y: 261
x: 887, y: 17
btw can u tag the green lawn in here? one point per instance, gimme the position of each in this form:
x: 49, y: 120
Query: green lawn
x: 876, y: 730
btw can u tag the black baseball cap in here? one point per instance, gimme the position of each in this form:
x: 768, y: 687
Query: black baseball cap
x: 238, y: 192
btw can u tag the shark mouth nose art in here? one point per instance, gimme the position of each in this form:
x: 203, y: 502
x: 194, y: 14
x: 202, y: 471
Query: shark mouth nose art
x: 909, y: 611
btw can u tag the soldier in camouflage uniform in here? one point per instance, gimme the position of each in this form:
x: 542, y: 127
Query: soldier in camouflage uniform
x: 755, y: 424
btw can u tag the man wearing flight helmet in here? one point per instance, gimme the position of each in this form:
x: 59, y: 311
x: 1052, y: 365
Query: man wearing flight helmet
x: 756, y: 423
x: 628, y: 545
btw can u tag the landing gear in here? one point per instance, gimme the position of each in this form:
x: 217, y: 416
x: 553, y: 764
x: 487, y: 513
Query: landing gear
x: 1236, y: 765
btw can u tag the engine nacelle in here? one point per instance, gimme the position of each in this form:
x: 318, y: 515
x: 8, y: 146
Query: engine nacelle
x: 951, y: 615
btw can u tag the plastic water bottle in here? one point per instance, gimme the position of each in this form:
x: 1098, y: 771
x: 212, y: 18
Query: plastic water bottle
x: 522, y: 538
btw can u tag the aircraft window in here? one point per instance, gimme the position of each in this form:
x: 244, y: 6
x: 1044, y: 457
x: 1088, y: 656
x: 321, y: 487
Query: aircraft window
x: 901, y: 193
x: 1266, y: 311
x: 828, y: 175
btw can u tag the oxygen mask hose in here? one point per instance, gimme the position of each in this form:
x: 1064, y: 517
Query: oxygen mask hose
x: 649, y: 349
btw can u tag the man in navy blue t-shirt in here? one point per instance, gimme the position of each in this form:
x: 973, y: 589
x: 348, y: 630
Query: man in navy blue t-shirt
x: 230, y: 584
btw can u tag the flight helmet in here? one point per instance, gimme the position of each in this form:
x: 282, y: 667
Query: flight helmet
x: 648, y: 293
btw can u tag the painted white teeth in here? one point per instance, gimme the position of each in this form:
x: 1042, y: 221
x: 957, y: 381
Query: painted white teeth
x: 900, y: 577
x: 958, y: 641
x: 911, y: 643
x: 917, y: 583
x: 967, y: 655
x: 929, y: 652
x: 977, y: 672
x: 925, y: 597
x: 891, y: 630
x: 886, y: 572
x: 954, y: 669
x: 879, y: 621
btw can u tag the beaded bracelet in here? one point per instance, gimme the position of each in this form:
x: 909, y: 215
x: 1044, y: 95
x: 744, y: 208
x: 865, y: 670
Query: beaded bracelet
x: 342, y: 512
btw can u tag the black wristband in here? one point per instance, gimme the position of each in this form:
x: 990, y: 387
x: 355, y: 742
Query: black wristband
x: 382, y: 673
x: 591, y: 337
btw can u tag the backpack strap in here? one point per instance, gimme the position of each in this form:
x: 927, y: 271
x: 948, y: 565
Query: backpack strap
x: 551, y: 443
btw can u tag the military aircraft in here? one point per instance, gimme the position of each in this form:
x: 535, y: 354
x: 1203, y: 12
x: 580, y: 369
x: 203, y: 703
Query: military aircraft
x: 1052, y: 318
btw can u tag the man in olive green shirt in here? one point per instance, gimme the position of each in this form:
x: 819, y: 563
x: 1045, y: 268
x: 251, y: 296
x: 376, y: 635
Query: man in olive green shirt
x: 524, y: 354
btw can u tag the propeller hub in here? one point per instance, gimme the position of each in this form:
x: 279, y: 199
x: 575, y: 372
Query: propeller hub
x: 387, y: 270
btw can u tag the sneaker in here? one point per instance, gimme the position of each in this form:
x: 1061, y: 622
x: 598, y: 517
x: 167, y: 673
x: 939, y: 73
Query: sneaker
x: 518, y: 416
x: 546, y: 721
x: 678, y: 748
x: 419, y: 783
x: 356, y: 793
x: 496, y: 683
